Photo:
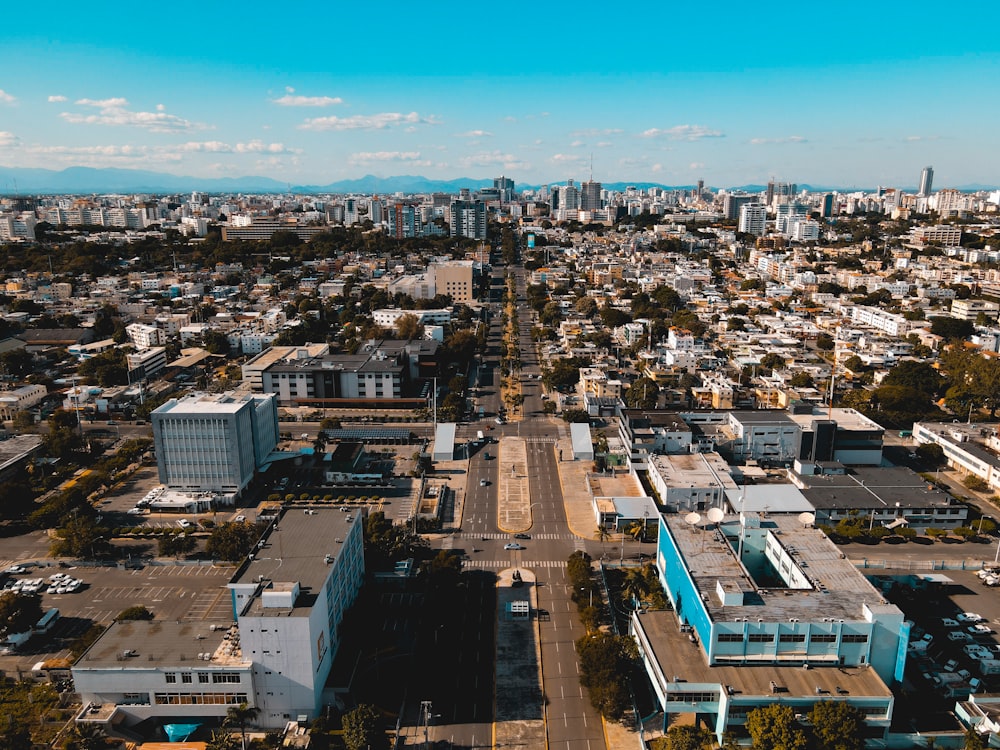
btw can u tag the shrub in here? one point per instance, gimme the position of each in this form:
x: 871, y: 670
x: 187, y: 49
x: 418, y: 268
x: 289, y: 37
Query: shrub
x: 974, y: 483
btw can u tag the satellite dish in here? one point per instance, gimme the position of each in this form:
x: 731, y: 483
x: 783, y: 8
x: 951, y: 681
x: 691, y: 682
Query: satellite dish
x: 693, y: 518
x: 807, y: 518
x: 715, y: 515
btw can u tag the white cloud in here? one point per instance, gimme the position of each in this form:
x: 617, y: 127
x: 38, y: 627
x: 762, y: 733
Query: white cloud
x: 411, y: 158
x: 683, y: 133
x: 604, y: 144
x: 251, y: 147
x: 915, y: 138
x: 577, y: 144
x: 786, y: 139
x: 57, y: 98
x: 113, y: 112
x: 566, y: 158
x: 475, y: 134
x: 365, y: 122
x: 696, y: 165
x: 289, y: 100
x: 6, y: 98
x: 116, y: 101
x: 494, y: 158
x: 656, y: 168
x: 8, y: 140
x: 594, y: 132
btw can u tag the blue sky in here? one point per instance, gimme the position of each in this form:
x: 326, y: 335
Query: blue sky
x: 819, y: 93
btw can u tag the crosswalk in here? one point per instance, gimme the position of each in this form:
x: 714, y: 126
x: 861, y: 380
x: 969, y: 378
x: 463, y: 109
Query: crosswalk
x: 501, y: 564
x: 480, y: 537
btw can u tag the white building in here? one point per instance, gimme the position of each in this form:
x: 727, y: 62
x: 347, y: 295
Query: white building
x: 387, y: 318
x: 753, y: 219
x: 144, y: 336
x: 19, y: 399
x: 214, y: 443
x: 146, y: 363
x: 288, y: 603
x: 889, y: 323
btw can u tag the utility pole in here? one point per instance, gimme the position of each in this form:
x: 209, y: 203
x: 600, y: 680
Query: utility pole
x: 425, y: 709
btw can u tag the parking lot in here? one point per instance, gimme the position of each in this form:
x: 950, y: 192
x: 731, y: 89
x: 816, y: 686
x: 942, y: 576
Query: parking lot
x: 171, y: 592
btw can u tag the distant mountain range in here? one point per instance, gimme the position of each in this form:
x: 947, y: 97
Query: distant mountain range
x: 84, y: 180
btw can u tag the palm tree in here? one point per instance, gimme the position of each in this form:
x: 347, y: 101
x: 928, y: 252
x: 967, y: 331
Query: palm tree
x: 88, y: 736
x: 241, y: 715
x: 221, y: 741
x: 603, y: 535
x: 635, y: 586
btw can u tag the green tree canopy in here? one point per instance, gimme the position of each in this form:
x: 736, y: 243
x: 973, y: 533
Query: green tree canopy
x: 951, y: 328
x: 837, y: 725
x: 911, y: 374
x: 232, y: 541
x: 773, y: 727
x: 642, y: 394
x: 18, y: 612
x: 364, y: 729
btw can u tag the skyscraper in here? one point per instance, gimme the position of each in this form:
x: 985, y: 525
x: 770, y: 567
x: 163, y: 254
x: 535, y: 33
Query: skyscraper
x: 506, y: 187
x: 926, y: 181
x: 468, y: 219
x: 753, y: 219
x: 590, y: 196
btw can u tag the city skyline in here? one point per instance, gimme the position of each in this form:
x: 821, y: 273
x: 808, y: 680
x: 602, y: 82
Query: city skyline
x: 663, y: 96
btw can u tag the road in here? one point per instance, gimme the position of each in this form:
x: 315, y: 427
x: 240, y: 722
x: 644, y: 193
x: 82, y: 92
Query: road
x: 571, y: 723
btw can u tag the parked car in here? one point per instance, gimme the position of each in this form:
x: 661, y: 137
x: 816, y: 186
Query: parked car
x: 951, y: 665
x: 969, y: 617
x: 949, y: 622
x: 976, y: 651
x: 959, y: 636
x: 979, y: 629
x: 184, y: 523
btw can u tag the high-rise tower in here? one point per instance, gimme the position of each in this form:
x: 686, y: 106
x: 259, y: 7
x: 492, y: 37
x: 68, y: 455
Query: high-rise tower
x: 926, y: 181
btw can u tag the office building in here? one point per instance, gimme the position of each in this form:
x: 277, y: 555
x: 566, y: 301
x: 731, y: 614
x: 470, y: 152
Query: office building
x: 505, y: 187
x: 288, y: 600
x: 926, y: 181
x: 766, y: 609
x: 214, y: 442
x: 145, y: 336
x: 733, y: 202
x: 590, y: 196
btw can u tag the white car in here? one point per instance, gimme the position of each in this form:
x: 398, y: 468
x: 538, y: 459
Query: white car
x: 513, y: 545
x: 184, y: 523
x: 17, y: 569
x: 975, y: 651
x: 979, y: 629
x: 949, y: 622
x: 969, y: 617
x: 240, y: 519
x: 958, y: 635
x: 137, y: 511
x: 52, y: 589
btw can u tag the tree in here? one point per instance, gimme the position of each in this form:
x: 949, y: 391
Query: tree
x: 603, y: 534
x: 973, y: 740
x: 837, y: 726
x: 801, y: 379
x: 579, y: 416
x: 642, y: 394
x: 363, y: 729
x: 176, y: 545
x: 605, y: 663
x: 18, y: 612
x: 825, y: 342
x: 240, y: 716
x: 137, y: 612
x: 87, y: 736
x: 80, y: 536
x: 688, y: 737
x: 772, y: 361
x: 950, y: 328
x: 221, y: 740
x: 232, y: 541
x: 919, y: 375
x: 773, y: 727
x: 408, y: 327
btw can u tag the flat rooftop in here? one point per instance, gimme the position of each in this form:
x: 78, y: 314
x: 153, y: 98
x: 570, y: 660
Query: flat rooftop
x: 205, y: 403
x: 879, y: 487
x: 838, y: 589
x: 685, y: 660
x: 846, y: 419
x: 685, y: 470
x: 152, y: 643
x: 295, y: 552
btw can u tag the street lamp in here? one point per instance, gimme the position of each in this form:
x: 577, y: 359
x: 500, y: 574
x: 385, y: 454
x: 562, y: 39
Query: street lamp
x: 583, y: 588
